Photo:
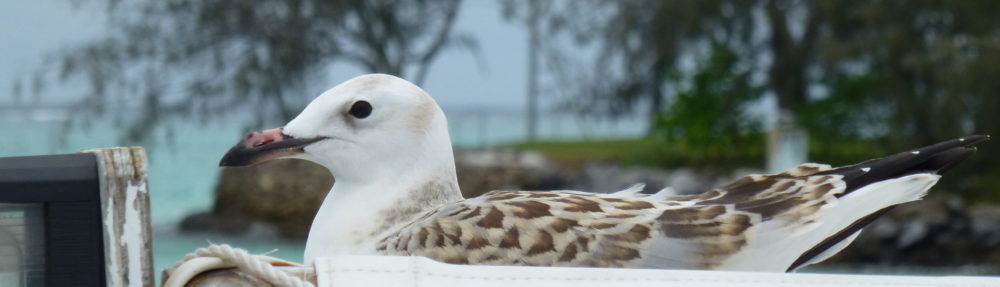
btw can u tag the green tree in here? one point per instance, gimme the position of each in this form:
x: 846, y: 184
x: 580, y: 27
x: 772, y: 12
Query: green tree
x: 894, y: 74
x: 207, y: 58
x: 713, y: 110
x: 638, y: 43
x: 927, y: 72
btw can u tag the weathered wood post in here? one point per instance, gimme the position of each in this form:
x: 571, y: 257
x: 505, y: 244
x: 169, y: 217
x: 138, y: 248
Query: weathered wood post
x: 75, y: 220
x: 124, y: 192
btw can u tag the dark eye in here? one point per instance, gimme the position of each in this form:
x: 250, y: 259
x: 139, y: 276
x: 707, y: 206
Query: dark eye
x: 361, y: 109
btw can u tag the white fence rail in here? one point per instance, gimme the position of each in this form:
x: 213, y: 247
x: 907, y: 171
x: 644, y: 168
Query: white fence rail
x: 390, y: 271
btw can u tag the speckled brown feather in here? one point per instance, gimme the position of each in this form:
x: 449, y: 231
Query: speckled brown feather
x: 608, y: 230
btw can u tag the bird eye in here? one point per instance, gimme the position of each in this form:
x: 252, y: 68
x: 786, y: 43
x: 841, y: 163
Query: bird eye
x: 361, y: 109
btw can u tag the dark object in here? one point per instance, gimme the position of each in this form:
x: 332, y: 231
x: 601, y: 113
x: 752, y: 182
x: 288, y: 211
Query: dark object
x: 263, y: 145
x: 58, y: 200
x: 361, y: 109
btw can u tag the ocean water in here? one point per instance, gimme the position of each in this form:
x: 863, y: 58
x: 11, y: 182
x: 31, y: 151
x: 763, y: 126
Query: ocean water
x: 183, y: 162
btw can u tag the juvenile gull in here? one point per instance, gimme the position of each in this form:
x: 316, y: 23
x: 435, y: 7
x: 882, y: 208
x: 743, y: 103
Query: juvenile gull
x: 386, y: 142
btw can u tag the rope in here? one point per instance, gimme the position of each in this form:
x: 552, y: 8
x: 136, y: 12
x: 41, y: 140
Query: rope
x: 227, y: 256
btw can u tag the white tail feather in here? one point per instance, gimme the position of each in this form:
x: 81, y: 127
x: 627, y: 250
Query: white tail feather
x: 781, y: 241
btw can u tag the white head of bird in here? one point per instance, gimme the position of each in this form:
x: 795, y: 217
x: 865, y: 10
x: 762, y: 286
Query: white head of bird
x: 386, y: 143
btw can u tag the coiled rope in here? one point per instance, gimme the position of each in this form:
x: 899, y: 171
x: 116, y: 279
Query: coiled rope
x: 224, y: 256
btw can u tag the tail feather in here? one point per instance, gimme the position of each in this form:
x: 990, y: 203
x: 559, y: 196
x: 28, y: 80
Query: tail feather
x: 813, y: 255
x: 934, y: 159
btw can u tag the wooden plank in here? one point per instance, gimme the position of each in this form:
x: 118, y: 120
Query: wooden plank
x: 125, y: 214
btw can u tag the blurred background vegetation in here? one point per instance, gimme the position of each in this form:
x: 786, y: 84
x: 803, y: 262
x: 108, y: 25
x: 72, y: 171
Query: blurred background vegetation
x: 862, y: 78
x: 696, y: 83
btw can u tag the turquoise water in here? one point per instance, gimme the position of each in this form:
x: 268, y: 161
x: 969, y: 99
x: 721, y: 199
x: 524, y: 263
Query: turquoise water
x: 183, y: 163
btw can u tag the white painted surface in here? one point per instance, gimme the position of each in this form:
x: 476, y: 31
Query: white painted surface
x: 125, y: 216
x: 110, y: 253
x: 388, y: 271
x: 132, y: 231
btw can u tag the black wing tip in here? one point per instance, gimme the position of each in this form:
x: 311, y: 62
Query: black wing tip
x: 943, y: 161
x: 937, y: 158
x: 955, y: 151
x: 955, y: 143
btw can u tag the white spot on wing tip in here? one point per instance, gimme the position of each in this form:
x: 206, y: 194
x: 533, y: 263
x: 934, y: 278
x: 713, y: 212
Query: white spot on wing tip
x: 961, y: 139
x: 915, y: 152
x: 866, y: 169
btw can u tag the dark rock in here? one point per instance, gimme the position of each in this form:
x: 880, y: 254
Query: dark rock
x: 936, y: 231
x: 610, y: 177
x: 912, y: 232
x: 481, y: 171
x: 284, y: 194
x: 208, y: 221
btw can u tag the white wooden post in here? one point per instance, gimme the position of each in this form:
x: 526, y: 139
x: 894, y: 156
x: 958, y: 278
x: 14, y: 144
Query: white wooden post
x: 128, y: 245
x: 787, y: 144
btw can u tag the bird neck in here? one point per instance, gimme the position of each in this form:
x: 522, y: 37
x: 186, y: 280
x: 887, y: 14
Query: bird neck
x: 357, y: 212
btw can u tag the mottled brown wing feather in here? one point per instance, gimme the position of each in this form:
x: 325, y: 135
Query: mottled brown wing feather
x: 604, y: 230
x: 530, y: 228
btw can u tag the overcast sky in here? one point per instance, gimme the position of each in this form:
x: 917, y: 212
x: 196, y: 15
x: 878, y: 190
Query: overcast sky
x: 30, y: 30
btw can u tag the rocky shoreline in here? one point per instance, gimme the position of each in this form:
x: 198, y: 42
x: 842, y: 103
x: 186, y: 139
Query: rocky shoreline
x: 284, y: 195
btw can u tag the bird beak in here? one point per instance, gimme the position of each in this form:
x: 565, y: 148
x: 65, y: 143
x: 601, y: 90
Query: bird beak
x: 265, y: 145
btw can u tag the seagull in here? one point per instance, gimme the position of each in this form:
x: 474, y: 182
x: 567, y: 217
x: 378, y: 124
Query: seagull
x: 386, y: 142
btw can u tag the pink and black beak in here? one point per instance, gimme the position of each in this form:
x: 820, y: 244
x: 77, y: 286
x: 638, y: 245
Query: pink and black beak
x: 265, y: 145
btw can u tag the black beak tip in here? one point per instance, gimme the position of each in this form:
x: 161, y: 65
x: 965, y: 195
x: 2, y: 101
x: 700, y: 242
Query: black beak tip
x: 225, y: 162
x: 236, y: 156
x: 243, y: 155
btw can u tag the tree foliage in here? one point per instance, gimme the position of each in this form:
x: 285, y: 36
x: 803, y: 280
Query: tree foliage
x: 206, y: 58
x: 895, y: 73
x: 638, y: 44
x: 713, y: 111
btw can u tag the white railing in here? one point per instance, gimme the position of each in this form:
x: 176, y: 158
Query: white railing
x: 390, y: 271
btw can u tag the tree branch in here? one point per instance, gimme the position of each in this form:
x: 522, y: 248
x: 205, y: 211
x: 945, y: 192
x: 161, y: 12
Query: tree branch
x: 439, y: 41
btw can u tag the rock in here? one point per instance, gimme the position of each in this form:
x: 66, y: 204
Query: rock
x: 207, y: 221
x: 935, y: 231
x: 481, y: 171
x: 609, y: 177
x: 284, y: 194
x: 986, y: 224
x: 912, y: 232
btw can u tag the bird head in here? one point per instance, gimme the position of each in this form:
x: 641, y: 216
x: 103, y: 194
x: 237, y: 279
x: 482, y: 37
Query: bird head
x: 365, y: 126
